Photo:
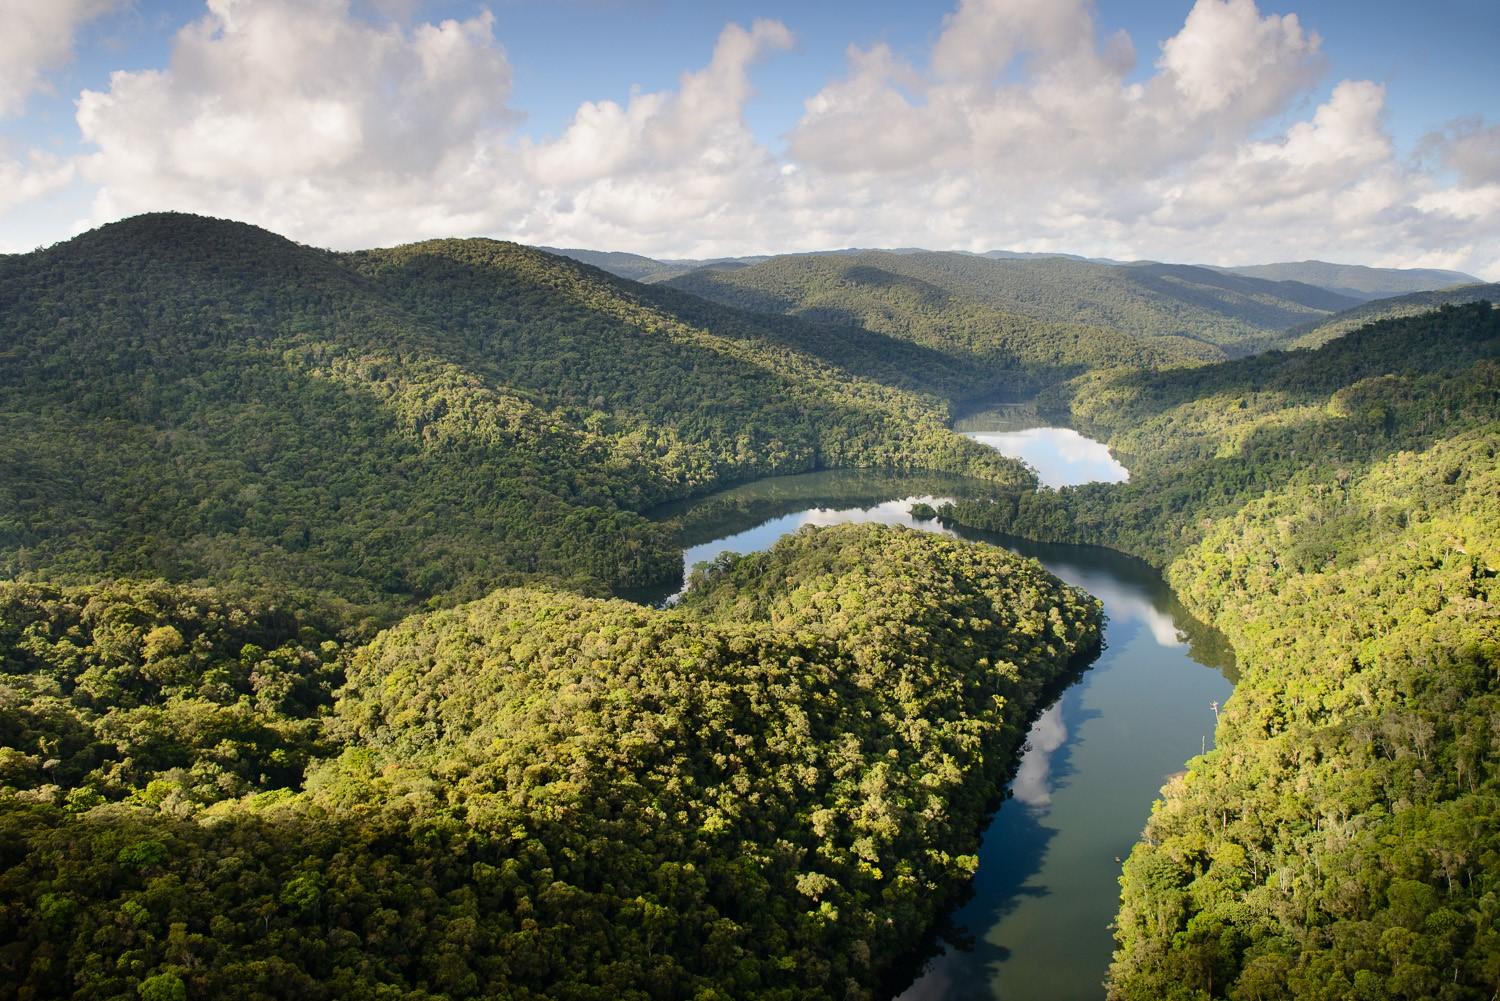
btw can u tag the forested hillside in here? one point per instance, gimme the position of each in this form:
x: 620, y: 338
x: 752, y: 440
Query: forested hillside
x: 227, y: 460
x: 1334, y: 512
x: 1135, y: 314
x: 1355, y: 280
x: 1314, y: 334
x: 205, y: 401
x: 768, y: 792
x: 644, y: 269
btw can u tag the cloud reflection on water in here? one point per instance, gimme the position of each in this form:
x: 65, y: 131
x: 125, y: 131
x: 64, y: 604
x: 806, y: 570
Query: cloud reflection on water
x: 1061, y: 456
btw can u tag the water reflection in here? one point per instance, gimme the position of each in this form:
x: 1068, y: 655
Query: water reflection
x: 1061, y: 456
x: 1033, y: 782
x: 764, y: 535
x: 1036, y: 924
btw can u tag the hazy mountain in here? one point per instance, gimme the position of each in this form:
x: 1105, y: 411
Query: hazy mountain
x: 1356, y: 280
x: 392, y: 425
x: 1223, y: 313
x: 1339, y: 324
x: 645, y: 269
x: 1023, y: 255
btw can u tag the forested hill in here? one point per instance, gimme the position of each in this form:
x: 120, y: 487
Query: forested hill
x: 768, y: 793
x: 1335, y: 513
x: 1357, y: 281
x: 1321, y: 332
x: 1177, y: 309
x: 206, y: 401
x: 1204, y: 441
x: 646, y: 269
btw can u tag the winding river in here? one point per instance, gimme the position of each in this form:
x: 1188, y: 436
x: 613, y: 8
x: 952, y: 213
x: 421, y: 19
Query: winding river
x: 1037, y: 922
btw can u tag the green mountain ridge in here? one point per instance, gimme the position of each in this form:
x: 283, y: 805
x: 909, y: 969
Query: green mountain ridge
x: 1313, y: 334
x: 1195, y: 311
x: 1356, y: 280
x: 394, y: 426
x: 1352, y: 281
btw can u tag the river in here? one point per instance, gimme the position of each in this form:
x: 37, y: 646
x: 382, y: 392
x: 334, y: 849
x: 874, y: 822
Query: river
x: 1037, y: 923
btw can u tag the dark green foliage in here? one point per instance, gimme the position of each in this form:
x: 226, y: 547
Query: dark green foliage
x: 1043, y: 315
x: 1334, y: 513
x: 1312, y: 335
x: 161, y: 696
x: 766, y: 792
x: 201, y: 400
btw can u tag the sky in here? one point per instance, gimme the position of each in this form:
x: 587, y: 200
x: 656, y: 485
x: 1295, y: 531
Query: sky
x: 1215, y: 131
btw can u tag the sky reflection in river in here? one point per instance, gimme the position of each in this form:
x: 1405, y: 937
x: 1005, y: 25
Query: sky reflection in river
x: 1061, y: 456
x: 1037, y: 924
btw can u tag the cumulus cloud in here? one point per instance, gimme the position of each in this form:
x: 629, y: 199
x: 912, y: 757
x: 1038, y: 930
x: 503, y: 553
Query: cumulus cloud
x: 38, y: 38
x: 1230, y: 59
x: 1028, y: 130
x: 1024, y: 126
x: 24, y: 181
x: 1470, y: 149
x: 665, y: 164
x: 296, y: 114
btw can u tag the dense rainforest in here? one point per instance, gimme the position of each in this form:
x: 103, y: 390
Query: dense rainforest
x: 205, y: 401
x: 768, y: 791
x: 311, y: 685
x: 1049, y: 310
x: 1313, y: 334
x: 1335, y: 513
x: 229, y: 460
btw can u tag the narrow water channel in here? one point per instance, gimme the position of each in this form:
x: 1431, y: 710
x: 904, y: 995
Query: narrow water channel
x: 1037, y: 923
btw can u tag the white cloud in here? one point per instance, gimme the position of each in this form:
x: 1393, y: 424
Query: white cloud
x: 1052, y: 142
x: 37, y: 37
x: 690, y: 141
x: 300, y: 116
x: 1228, y: 59
x: 1470, y: 149
x: 1024, y: 128
x: 23, y: 182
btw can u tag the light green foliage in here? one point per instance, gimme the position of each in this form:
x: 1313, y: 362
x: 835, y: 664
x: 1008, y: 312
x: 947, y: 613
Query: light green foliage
x: 1335, y: 514
x: 1348, y: 827
x: 1047, y: 317
x: 398, y: 426
x: 769, y: 791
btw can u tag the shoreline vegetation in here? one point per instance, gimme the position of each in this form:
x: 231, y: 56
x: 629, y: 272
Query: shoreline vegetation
x: 311, y: 686
x: 766, y: 790
x: 1333, y: 513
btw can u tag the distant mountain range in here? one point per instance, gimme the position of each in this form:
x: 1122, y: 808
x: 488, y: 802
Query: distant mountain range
x: 1354, y: 281
x: 1321, y: 332
x: 931, y: 295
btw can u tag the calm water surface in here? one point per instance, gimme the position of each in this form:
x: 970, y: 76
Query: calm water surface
x: 1037, y: 923
x: 1061, y: 456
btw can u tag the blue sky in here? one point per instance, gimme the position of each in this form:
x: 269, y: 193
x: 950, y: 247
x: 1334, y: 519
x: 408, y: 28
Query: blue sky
x: 1434, y: 62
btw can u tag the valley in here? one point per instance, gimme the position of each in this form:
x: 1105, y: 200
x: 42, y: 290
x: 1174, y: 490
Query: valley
x: 1049, y: 862
x: 345, y: 649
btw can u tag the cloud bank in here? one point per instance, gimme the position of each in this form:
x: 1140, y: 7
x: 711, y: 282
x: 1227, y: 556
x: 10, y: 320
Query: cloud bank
x: 1023, y: 127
